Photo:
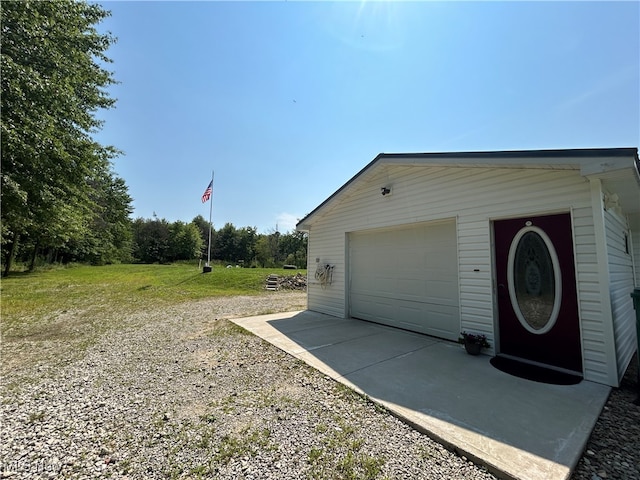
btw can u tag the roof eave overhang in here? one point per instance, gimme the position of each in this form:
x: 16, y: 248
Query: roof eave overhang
x: 598, y: 162
x: 621, y: 178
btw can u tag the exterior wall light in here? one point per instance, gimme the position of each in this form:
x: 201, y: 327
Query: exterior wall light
x: 385, y: 191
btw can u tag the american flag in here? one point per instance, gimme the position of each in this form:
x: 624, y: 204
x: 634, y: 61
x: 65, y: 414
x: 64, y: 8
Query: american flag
x: 207, y: 193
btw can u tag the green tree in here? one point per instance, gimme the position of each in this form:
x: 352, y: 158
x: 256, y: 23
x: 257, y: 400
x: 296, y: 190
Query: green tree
x: 53, y: 83
x: 247, y: 238
x: 227, y: 244
x: 185, y: 241
x: 203, y: 226
x: 151, y: 240
x: 267, y: 250
x: 293, y: 248
x: 109, y: 235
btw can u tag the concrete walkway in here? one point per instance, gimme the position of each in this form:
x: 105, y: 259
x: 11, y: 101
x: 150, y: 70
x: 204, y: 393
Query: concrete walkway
x: 516, y: 428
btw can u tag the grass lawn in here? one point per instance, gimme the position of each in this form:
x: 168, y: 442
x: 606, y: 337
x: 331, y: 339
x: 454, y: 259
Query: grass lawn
x: 75, y: 305
x: 33, y: 295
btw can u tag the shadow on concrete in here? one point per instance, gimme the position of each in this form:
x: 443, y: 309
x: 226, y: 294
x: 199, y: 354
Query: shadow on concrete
x: 515, y: 427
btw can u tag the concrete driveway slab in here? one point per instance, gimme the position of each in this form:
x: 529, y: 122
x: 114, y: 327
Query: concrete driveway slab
x: 362, y: 352
x: 516, y: 428
x: 321, y: 337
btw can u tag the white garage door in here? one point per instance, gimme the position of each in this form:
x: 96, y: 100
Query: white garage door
x: 407, y: 277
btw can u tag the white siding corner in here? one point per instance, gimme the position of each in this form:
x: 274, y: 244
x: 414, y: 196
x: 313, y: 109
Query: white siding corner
x: 621, y: 284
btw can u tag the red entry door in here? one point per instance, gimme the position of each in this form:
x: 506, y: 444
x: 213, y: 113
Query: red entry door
x: 537, y: 302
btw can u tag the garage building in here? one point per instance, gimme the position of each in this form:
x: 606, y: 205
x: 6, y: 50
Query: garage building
x: 538, y: 250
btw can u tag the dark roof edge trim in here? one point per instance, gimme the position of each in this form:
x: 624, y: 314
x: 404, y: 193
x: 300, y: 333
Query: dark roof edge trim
x: 558, y: 153
x: 343, y: 187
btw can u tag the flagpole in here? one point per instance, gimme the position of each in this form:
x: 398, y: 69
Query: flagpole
x: 210, y: 224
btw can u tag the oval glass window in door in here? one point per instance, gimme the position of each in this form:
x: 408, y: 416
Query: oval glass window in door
x: 534, y: 280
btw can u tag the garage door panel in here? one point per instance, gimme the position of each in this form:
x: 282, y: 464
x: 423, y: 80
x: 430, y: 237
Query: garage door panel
x: 371, y: 307
x: 387, y: 285
x: 407, y: 277
x: 388, y: 297
x: 419, y: 317
x: 440, y: 292
x: 412, y: 287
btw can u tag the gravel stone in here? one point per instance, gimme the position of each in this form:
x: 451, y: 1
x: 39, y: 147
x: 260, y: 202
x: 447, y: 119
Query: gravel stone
x: 613, y: 451
x: 180, y: 392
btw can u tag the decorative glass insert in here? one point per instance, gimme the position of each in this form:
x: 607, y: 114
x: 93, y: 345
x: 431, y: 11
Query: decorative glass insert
x: 534, y: 280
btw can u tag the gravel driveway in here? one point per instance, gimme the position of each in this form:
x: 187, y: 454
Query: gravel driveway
x: 183, y: 393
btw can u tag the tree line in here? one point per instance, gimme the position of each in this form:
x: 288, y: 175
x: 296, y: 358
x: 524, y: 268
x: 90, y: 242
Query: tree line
x: 159, y: 241
x: 61, y: 200
x: 156, y: 240
x: 58, y: 188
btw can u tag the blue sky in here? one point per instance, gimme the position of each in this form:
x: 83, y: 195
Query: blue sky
x: 286, y: 101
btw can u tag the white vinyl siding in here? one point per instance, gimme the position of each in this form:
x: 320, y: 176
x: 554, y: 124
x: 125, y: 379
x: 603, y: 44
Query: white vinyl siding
x: 620, y: 288
x: 477, y: 196
x: 634, y: 226
x: 327, y: 249
x: 475, y: 272
x: 592, y: 310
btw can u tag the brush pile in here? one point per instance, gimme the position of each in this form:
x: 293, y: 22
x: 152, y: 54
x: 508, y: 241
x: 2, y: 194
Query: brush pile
x: 286, y: 282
